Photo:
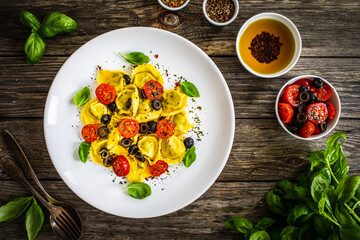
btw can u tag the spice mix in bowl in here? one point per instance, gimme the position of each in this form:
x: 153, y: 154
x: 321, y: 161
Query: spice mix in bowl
x: 268, y: 45
x: 220, y: 12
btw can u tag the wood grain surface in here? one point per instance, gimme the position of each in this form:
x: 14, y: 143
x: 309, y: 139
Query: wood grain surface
x: 262, y: 152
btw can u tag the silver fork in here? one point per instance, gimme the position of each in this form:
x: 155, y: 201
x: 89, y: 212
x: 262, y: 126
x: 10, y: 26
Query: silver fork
x: 61, y: 221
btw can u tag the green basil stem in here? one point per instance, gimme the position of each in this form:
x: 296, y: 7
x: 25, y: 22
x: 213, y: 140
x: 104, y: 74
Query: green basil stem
x: 357, y: 203
x: 331, y: 219
x: 352, y: 212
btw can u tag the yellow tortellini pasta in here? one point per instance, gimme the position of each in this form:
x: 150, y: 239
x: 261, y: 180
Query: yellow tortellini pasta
x: 129, y: 105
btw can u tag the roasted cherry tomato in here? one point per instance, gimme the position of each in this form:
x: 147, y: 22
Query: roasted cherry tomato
x: 158, y: 168
x: 105, y: 93
x: 285, y: 112
x: 317, y: 130
x: 323, y: 93
x: 317, y: 112
x: 307, y: 130
x: 291, y: 95
x: 165, y: 128
x: 89, y: 132
x: 331, y: 111
x: 120, y: 166
x: 128, y: 128
x: 304, y: 81
x: 153, y: 90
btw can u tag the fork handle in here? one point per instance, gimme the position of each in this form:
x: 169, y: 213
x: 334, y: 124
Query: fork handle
x: 8, y: 164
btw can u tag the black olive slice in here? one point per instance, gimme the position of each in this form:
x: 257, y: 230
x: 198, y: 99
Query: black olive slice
x: 188, y: 142
x: 156, y: 104
x: 301, y: 117
x: 144, y: 128
x: 303, y: 88
x: 304, y: 97
x: 107, y: 162
x: 104, y: 153
x: 140, y: 157
x: 127, y: 79
x: 105, y: 119
x: 128, y: 103
x: 103, y: 132
x: 317, y: 83
x: 313, y: 97
x: 323, y: 127
x: 152, y: 126
x: 112, y: 106
x: 126, y: 142
x: 133, y: 149
x: 302, y: 108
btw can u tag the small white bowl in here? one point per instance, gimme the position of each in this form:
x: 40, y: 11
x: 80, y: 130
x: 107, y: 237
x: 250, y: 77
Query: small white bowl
x: 292, y: 29
x: 172, y: 8
x: 334, y: 100
x: 236, y: 5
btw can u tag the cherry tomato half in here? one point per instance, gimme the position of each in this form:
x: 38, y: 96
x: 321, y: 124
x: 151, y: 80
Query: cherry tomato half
x: 286, y: 112
x: 128, y: 128
x: 323, y: 93
x: 153, y: 90
x: 105, y: 93
x: 89, y: 132
x: 165, y: 129
x: 331, y: 110
x: 307, y: 130
x: 291, y: 95
x: 120, y: 166
x: 304, y: 81
x: 158, y: 168
x: 317, y: 112
x: 317, y: 130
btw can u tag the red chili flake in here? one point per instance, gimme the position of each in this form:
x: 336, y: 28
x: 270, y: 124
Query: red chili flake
x: 220, y: 10
x: 199, y: 107
x: 98, y: 67
x: 167, y: 74
x: 265, y: 47
x: 177, y: 84
x: 156, y: 56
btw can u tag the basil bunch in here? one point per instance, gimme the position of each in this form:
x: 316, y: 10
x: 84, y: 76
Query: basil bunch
x: 324, y: 204
x: 34, y: 216
x: 53, y: 24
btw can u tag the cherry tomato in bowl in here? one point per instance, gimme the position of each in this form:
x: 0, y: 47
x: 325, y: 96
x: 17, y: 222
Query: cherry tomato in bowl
x: 286, y: 112
x: 317, y: 112
x: 291, y: 95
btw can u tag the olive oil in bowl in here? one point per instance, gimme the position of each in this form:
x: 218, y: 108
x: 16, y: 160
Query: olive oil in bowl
x: 267, y: 46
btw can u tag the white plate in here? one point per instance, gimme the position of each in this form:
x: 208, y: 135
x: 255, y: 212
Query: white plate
x: 94, y: 183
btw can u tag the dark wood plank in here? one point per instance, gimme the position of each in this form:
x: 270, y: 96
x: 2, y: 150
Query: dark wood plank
x: 23, y: 88
x: 328, y: 28
x: 262, y: 150
x: 203, y: 219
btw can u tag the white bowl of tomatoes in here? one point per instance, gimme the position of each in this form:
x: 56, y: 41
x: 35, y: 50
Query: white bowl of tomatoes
x: 308, y: 107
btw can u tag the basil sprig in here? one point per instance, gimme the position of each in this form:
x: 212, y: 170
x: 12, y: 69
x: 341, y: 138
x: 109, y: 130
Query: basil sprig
x: 82, y: 97
x: 53, y: 24
x: 34, y: 216
x: 136, y: 58
x: 83, y: 151
x: 190, y: 157
x: 324, y: 204
x: 139, y: 190
x: 189, y: 89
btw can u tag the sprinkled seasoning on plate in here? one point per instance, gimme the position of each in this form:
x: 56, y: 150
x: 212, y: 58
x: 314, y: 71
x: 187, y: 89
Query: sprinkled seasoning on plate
x: 220, y: 10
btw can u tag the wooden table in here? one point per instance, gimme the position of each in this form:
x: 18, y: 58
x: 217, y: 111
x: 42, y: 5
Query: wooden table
x: 262, y: 152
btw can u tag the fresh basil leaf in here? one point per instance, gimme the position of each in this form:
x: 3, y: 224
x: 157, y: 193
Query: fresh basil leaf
x: 322, y: 225
x: 190, y: 157
x: 34, y: 220
x: 347, y: 188
x: 303, y: 228
x: 335, y: 235
x: 139, y: 190
x: 83, y: 151
x: 289, y: 233
x: 274, y: 202
x: 260, y: 235
x: 14, y: 209
x: 82, y: 97
x: 136, y: 58
x: 340, y: 167
x: 332, y: 147
x: 34, y: 48
x: 287, y: 187
x: 264, y: 223
x: 316, y: 159
x: 321, y: 206
x: 297, y: 212
x: 56, y: 23
x: 318, y: 184
x: 300, y: 193
x: 348, y: 231
x: 330, y: 197
x: 239, y: 224
x: 29, y: 20
x: 349, y: 228
x: 189, y: 89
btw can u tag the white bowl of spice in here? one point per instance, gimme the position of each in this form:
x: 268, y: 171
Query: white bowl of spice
x: 173, y: 5
x: 220, y: 12
x: 268, y: 45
